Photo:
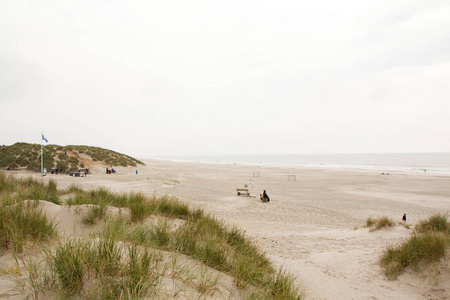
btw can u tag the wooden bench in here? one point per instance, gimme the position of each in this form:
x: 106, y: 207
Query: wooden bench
x: 243, y: 192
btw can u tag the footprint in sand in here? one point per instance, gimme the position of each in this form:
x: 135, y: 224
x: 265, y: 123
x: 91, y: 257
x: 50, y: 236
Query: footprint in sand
x: 435, y: 294
x: 387, y: 287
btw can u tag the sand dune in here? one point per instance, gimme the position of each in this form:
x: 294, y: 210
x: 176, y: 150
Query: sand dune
x: 313, y: 226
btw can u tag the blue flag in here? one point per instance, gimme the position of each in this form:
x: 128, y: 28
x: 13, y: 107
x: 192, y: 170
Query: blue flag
x: 43, y: 138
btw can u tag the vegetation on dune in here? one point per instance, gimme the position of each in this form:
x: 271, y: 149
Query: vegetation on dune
x: 24, y: 221
x: 83, y: 268
x: 28, y: 156
x: 379, y: 223
x: 28, y: 189
x: 124, y: 260
x: 429, y: 243
x: 435, y: 223
x: 201, y: 236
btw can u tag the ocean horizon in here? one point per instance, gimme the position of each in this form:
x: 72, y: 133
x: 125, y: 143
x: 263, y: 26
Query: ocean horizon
x: 437, y: 163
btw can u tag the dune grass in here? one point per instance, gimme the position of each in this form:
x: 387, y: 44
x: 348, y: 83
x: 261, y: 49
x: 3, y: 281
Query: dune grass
x: 435, y: 223
x: 429, y: 243
x: 118, y: 262
x: 123, y: 269
x: 23, y: 222
x: 94, y: 214
x: 418, y: 249
x: 202, y: 237
x: 114, y: 270
x: 29, y: 188
x: 379, y: 223
x: 68, y: 263
x: 140, y: 205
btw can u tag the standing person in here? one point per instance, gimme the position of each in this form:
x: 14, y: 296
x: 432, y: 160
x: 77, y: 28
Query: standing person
x: 136, y: 171
x: 404, y: 218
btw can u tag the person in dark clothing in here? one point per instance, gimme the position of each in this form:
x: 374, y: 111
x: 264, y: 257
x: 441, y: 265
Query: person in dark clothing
x: 265, y: 196
x: 404, y: 218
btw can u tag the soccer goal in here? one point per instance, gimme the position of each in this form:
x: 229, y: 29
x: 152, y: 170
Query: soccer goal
x: 291, y: 178
x: 256, y: 174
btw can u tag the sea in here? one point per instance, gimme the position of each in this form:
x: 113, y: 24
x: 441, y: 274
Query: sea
x: 433, y: 163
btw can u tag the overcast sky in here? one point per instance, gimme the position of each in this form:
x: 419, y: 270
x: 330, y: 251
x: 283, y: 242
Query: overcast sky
x: 153, y: 78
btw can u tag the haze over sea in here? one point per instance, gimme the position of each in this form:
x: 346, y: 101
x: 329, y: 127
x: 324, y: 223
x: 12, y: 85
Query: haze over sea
x: 434, y: 163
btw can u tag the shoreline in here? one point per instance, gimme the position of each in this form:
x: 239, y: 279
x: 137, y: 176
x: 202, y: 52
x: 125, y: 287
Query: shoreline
x: 436, y: 163
x: 357, y: 168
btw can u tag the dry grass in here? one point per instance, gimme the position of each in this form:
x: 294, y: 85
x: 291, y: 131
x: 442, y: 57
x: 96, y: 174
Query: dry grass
x: 429, y: 243
x: 379, y: 223
x: 124, y: 261
x: 435, y: 223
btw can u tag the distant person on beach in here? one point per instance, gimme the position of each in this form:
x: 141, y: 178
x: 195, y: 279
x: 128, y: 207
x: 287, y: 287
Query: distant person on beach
x: 404, y: 218
x: 265, y: 196
x: 136, y: 171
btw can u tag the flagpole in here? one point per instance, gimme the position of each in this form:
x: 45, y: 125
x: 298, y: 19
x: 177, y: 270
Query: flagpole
x: 42, y: 159
x: 42, y: 154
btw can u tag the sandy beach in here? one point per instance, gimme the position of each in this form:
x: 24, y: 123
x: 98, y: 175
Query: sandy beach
x: 313, y: 226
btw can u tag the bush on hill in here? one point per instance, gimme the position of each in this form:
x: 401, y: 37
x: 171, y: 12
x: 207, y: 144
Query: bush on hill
x: 28, y: 156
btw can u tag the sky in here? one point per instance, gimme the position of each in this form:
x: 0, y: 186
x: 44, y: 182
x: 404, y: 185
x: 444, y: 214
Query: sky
x: 158, y: 78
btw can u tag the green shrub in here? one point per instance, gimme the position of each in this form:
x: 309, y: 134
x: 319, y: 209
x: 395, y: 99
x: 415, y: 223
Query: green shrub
x: 7, y: 161
x: 34, y: 165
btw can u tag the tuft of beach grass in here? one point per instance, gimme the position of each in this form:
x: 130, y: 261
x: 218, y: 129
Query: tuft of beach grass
x: 429, y: 243
x: 379, y: 223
